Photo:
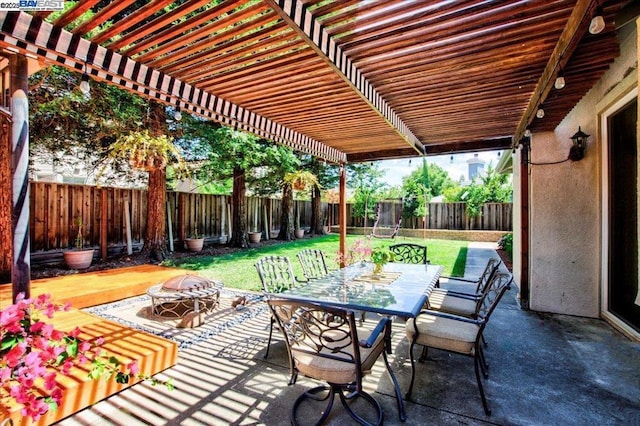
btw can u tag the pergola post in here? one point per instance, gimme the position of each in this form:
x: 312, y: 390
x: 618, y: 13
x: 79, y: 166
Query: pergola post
x: 21, y: 268
x: 342, y: 214
x: 524, y: 225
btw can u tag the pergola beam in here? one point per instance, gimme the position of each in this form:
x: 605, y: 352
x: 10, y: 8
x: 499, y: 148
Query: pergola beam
x: 28, y: 34
x: 296, y: 15
x: 435, y: 149
x: 572, y: 33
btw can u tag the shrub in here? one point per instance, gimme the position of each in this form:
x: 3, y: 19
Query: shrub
x: 506, y: 243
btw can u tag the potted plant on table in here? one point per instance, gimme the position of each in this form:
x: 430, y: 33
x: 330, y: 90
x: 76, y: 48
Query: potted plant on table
x: 380, y: 256
x: 79, y: 257
x: 196, y: 242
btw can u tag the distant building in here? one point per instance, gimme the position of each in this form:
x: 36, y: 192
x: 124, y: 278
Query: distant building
x: 476, y: 166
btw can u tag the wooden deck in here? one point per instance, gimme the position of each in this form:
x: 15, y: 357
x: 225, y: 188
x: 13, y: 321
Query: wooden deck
x: 96, y: 288
x: 154, y: 354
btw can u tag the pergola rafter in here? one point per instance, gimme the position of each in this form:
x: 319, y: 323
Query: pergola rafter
x: 302, y: 21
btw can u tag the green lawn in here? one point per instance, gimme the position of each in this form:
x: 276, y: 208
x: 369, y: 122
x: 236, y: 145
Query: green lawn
x: 237, y: 269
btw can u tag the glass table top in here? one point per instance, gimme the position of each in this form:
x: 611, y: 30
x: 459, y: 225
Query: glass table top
x: 402, y: 289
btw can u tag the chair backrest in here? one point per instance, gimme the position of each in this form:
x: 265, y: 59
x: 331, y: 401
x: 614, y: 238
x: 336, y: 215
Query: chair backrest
x: 489, y: 271
x: 314, y: 331
x: 494, y: 291
x: 275, y: 273
x: 313, y: 263
x: 409, y: 253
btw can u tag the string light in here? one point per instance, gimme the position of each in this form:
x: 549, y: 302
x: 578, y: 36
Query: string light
x: 597, y: 24
x: 85, y: 88
x: 177, y: 114
x: 560, y: 81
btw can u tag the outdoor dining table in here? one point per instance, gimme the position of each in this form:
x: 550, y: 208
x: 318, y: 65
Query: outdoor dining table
x: 401, y: 290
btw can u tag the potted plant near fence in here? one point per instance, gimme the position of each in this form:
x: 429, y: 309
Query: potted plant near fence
x: 299, y: 233
x: 196, y: 242
x: 78, y: 257
x: 254, y: 236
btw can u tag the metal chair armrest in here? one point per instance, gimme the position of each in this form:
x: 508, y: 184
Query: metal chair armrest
x: 458, y: 279
x: 459, y: 294
x: 375, y: 333
x: 449, y: 316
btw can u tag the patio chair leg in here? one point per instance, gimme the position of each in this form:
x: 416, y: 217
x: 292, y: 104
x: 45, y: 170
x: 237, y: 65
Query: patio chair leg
x: 483, y: 360
x: 485, y: 405
x: 353, y: 414
x: 423, y: 356
x: 311, y: 394
x: 413, y: 369
x: 484, y: 341
x: 266, y: 354
x: 396, y: 386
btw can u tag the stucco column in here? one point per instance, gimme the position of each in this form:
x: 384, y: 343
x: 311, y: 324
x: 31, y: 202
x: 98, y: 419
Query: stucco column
x: 637, y: 301
x: 21, y: 268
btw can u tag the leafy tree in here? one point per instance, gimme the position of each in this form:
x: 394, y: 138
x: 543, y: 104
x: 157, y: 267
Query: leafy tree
x: 279, y: 162
x: 63, y: 121
x: 366, y: 179
x: 327, y: 176
x: 421, y: 185
x: 228, y: 153
x: 491, y: 187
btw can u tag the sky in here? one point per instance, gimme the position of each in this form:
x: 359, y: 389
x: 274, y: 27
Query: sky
x: 396, y: 169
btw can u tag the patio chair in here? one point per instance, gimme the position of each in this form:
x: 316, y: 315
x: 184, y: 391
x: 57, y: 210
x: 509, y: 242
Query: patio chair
x: 276, y: 275
x: 313, y: 263
x: 453, y: 333
x: 463, y: 303
x: 324, y: 344
x: 409, y: 253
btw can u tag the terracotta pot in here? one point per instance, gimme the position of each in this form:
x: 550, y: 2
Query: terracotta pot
x: 194, y: 244
x: 299, y: 233
x: 254, y: 237
x: 78, y: 259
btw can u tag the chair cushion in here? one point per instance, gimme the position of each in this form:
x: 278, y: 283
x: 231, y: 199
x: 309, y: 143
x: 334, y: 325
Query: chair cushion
x: 333, y: 370
x: 441, y: 301
x: 444, y: 333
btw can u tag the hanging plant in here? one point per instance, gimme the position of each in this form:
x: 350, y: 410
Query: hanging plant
x: 301, y: 180
x: 147, y: 152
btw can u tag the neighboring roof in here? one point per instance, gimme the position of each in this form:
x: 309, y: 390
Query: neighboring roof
x: 505, y: 165
x: 343, y: 80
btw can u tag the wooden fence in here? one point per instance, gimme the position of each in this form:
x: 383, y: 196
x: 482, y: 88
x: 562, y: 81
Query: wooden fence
x: 493, y: 217
x: 55, y: 209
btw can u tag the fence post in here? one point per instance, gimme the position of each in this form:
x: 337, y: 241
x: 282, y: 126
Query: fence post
x: 104, y: 230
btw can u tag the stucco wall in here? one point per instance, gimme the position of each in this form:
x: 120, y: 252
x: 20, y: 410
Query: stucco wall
x: 565, y: 218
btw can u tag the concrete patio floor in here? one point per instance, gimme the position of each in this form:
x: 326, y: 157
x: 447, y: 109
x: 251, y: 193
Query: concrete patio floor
x: 544, y: 369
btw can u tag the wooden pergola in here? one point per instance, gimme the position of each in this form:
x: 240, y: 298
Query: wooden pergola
x: 343, y: 80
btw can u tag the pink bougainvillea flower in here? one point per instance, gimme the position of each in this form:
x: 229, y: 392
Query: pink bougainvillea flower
x: 133, y: 367
x: 14, y: 356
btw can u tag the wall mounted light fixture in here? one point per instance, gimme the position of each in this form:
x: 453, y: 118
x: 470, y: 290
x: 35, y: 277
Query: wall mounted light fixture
x: 579, y: 140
